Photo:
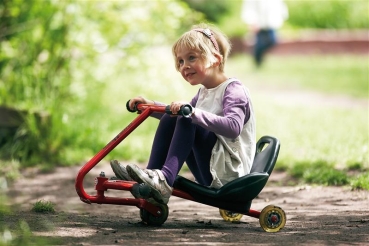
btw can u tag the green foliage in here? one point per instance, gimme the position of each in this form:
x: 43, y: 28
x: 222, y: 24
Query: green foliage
x: 34, y: 75
x: 355, y: 166
x: 116, y: 73
x: 321, y: 14
x: 57, y: 58
x: 4, y: 209
x: 23, y: 237
x: 26, y: 145
x: 213, y: 10
x: 18, y: 235
x: 5, y: 237
x: 9, y: 169
x: 43, y: 207
x: 332, y: 74
x: 33, y: 54
x: 361, y: 181
x: 319, y: 172
x: 231, y: 23
x: 332, y: 14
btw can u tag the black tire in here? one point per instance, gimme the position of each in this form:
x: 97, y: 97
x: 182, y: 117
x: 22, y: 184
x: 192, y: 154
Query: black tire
x: 150, y: 219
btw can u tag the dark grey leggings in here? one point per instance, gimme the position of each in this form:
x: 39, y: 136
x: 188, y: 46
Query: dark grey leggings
x: 178, y: 140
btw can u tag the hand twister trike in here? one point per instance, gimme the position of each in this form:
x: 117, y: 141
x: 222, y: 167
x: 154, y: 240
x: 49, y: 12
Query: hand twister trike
x: 233, y: 199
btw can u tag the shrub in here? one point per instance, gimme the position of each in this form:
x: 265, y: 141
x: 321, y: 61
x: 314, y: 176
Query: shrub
x: 319, y: 172
x: 361, y: 182
x: 43, y: 207
x: 333, y: 14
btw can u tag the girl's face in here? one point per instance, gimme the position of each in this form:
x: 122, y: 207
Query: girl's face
x: 192, y: 66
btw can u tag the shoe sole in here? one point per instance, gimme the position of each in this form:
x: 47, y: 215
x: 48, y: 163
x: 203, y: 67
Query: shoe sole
x: 117, y: 170
x: 154, y: 193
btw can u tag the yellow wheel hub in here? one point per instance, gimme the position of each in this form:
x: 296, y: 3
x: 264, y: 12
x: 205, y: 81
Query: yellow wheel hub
x: 230, y: 216
x: 272, y: 218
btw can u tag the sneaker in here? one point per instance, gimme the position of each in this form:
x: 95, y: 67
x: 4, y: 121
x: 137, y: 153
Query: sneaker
x: 160, y: 190
x: 120, y: 171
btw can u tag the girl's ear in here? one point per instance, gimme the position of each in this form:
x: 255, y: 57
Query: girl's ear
x: 218, y: 60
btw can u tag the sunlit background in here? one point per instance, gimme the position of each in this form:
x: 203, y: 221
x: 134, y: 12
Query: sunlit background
x: 67, y: 69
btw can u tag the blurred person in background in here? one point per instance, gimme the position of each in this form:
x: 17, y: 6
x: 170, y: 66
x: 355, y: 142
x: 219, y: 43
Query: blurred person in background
x: 263, y: 18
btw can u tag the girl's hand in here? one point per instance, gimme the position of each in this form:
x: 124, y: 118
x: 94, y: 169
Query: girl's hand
x: 176, y: 106
x: 139, y: 99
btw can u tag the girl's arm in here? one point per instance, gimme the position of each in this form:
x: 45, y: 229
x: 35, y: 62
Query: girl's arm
x: 159, y: 115
x: 236, y: 112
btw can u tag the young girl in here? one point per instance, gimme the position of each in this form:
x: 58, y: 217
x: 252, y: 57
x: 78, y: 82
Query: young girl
x: 218, y: 140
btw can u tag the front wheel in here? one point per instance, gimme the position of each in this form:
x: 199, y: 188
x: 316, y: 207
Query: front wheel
x: 150, y: 219
x: 272, y: 218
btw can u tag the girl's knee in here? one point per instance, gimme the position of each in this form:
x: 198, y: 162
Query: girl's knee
x: 183, y: 121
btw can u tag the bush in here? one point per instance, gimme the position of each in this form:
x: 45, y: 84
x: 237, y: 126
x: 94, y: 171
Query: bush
x: 319, y: 172
x: 361, y: 182
x: 333, y: 14
x: 213, y: 10
x: 58, y: 56
x: 43, y: 207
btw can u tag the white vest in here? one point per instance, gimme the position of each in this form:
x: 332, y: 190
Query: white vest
x: 230, y: 158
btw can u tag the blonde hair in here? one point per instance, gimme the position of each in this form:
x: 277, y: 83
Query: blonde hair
x: 199, y: 41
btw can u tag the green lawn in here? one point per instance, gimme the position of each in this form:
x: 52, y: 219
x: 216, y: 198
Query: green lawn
x: 317, y: 113
x: 332, y: 74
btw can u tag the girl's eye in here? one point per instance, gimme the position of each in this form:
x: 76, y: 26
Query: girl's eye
x: 180, y: 62
x: 191, y: 58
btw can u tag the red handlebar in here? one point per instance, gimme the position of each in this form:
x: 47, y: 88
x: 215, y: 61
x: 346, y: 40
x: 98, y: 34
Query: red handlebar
x: 145, y: 111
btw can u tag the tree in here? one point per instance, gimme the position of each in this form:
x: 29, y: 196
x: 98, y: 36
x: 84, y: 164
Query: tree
x: 50, y: 52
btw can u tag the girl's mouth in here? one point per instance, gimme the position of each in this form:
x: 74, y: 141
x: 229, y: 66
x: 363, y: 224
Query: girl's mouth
x: 189, y: 75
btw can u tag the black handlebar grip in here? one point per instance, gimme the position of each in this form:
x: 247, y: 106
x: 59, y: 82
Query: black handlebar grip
x: 167, y: 110
x: 129, y: 109
x: 185, y: 110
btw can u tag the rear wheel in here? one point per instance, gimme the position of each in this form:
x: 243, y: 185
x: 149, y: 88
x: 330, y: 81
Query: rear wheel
x: 272, y: 218
x: 229, y: 215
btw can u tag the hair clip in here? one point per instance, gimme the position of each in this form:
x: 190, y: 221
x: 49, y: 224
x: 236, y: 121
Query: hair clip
x: 209, y: 35
x: 207, y: 32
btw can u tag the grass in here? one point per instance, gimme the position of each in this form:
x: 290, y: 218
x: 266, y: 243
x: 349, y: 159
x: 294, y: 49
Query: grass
x: 332, y: 74
x: 43, y: 207
x: 16, y: 231
x: 312, y: 123
x: 361, y: 182
x: 319, y: 172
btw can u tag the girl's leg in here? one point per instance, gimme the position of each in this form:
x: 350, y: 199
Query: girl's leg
x: 199, y: 159
x: 181, y: 144
x: 192, y: 165
x: 162, y: 140
x: 180, y: 147
x: 192, y: 143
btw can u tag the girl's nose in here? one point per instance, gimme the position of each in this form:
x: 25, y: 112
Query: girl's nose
x: 185, y: 67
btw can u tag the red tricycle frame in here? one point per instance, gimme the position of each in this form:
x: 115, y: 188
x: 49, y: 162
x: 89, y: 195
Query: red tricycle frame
x: 102, y: 183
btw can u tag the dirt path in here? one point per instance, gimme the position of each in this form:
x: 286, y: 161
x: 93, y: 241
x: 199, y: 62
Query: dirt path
x: 315, y: 216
